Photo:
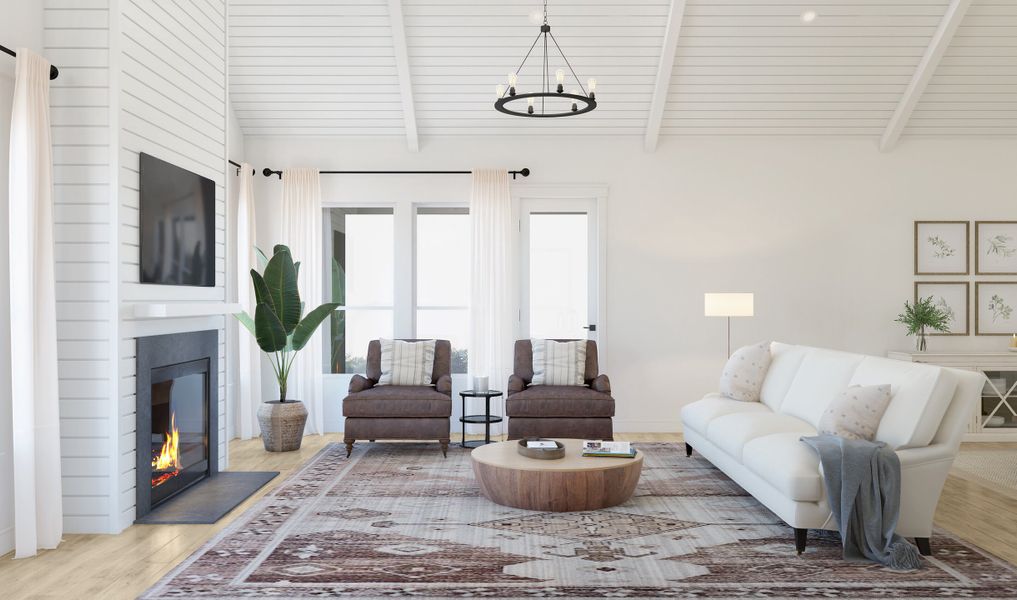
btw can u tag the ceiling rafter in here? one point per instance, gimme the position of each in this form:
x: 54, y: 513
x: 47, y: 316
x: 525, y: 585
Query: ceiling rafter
x: 402, y: 62
x: 662, y: 86
x: 937, y: 47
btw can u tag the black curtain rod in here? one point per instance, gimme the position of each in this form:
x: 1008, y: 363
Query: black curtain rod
x: 524, y: 172
x: 53, y: 71
x: 238, y: 165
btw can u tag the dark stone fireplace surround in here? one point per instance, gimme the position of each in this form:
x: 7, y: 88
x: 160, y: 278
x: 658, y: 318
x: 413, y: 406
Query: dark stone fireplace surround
x: 161, y: 352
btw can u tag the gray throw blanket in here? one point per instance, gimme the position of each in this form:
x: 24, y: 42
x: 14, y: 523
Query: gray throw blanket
x: 863, y: 487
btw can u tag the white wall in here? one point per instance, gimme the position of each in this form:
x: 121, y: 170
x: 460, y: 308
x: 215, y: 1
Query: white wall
x: 21, y: 26
x: 820, y: 230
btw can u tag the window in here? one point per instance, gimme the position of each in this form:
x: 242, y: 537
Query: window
x: 443, y: 278
x: 360, y: 246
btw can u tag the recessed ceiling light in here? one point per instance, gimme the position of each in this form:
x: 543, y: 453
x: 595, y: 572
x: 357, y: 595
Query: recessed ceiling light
x: 809, y: 16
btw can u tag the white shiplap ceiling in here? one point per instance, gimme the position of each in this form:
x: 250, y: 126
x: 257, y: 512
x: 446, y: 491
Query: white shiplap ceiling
x: 741, y: 67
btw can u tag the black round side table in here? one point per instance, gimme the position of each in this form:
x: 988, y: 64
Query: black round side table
x: 487, y: 418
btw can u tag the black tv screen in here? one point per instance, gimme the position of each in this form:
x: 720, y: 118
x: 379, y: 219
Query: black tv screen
x: 177, y: 225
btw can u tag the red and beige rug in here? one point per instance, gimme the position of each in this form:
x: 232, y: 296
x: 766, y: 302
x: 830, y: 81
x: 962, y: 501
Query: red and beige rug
x: 397, y: 520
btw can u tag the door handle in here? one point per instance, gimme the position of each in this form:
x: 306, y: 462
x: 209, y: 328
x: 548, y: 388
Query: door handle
x: 591, y: 327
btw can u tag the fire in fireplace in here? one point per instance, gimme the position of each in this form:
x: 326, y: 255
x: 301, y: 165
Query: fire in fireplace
x: 166, y: 462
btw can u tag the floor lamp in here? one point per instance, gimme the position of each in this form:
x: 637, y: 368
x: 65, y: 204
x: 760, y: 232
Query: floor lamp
x: 728, y: 305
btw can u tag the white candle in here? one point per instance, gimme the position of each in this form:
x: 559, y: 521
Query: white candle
x: 480, y: 383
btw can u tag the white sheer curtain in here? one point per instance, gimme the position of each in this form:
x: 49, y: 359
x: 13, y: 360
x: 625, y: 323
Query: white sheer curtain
x: 301, y: 230
x: 248, y: 353
x: 492, y: 278
x: 38, y: 509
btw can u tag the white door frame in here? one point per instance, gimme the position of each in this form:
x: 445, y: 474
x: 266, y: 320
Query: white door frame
x: 567, y: 197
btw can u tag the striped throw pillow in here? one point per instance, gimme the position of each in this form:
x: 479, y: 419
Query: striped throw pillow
x: 559, y: 363
x: 406, y: 363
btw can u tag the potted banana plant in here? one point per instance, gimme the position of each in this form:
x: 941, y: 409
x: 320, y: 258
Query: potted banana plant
x: 282, y: 329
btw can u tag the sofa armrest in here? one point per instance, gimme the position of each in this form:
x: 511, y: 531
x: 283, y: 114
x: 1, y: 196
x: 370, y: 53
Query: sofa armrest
x: 923, y: 474
x: 601, y: 383
x: 515, y: 384
x: 360, y: 383
x: 444, y: 385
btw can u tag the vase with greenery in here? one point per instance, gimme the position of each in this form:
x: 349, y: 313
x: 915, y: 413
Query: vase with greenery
x: 282, y: 329
x: 921, y: 317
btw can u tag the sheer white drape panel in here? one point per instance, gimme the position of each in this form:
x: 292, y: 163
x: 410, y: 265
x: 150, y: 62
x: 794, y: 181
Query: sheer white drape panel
x: 492, y: 278
x: 248, y: 352
x: 38, y: 509
x: 301, y: 230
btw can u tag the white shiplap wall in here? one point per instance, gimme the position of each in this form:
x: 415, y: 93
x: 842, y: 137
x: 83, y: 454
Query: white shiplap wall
x: 77, y: 38
x: 135, y: 76
x: 173, y: 106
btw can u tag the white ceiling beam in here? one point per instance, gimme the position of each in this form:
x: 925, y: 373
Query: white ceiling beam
x: 663, y: 83
x: 923, y: 73
x: 402, y: 61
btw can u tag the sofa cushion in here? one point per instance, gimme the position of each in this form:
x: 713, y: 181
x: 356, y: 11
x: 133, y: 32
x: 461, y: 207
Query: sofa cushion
x: 745, y: 371
x: 822, y: 376
x: 397, y: 401
x: 559, y: 401
x: 558, y: 363
x: 784, y: 362
x: 731, y: 432
x: 856, y: 412
x: 697, y: 416
x: 921, y: 397
x: 786, y: 463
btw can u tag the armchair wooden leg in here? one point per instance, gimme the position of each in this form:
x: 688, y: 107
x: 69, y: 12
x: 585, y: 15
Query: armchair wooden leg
x: 688, y: 449
x: 924, y: 547
x: 444, y: 448
x: 800, y: 537
x: 349, y: 447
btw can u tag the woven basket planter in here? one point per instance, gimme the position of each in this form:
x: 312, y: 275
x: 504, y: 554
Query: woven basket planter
x: 282, y: 424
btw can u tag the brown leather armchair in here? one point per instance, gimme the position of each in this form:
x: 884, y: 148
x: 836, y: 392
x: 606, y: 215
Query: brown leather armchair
x: 400, y: 412
x: 562, y: 411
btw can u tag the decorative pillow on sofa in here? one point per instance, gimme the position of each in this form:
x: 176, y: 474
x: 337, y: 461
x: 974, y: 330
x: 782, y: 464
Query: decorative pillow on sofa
x: 855, y: 414
x: 406, y: 363
x: 559, y: 363
x: 745, y: 371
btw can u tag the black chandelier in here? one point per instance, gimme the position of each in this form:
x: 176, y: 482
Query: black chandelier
x: 583, y: 101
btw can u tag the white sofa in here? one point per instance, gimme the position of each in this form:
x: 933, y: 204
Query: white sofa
x: 757, y: 443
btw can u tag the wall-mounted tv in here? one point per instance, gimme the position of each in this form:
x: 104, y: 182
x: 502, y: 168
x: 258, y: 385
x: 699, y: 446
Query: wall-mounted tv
x: 177, y: 225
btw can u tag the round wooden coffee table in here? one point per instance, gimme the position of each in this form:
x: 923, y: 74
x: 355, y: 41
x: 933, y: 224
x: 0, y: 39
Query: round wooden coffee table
x: 567, y: 484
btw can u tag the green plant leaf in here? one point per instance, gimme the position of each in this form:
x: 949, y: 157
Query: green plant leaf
x: 270, y: 333
x: 281, y: 248
x: 262, y: 257
x: 247, y: 321
x: 281, y: 278
x: 310, y: 323
x: 261, y: 291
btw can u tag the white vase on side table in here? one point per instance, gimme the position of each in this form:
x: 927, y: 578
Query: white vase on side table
x: 995, y: 419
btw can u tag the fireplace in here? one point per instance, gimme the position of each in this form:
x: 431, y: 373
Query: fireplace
x: 177, y: 414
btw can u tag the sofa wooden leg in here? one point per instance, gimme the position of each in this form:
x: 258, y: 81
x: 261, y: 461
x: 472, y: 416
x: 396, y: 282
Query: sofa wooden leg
x: 444, y: 448
x: 349, y: 447
x: 924, y: 547
x: 372, y: 441
x: 688, y: 449
x: 800, y: 536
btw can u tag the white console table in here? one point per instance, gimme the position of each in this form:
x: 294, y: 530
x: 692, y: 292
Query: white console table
x: 995, y: 419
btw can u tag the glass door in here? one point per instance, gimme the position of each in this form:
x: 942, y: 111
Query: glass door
x: 559, y: 269
x: 998, y: 408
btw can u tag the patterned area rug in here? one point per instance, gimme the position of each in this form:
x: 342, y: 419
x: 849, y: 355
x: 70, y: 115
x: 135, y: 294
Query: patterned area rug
x: 397, y: 520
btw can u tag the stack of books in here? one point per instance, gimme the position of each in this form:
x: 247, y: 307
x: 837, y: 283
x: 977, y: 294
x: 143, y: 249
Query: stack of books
x: 609, y: 449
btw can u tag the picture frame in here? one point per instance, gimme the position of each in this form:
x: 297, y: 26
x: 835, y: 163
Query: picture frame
x: 996, y: 308
x: 942, y: 247
x: 954, y: 297
x: 996, y: 247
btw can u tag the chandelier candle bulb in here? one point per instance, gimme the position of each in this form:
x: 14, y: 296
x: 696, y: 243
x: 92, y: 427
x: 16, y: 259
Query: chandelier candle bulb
x: 500, y: 90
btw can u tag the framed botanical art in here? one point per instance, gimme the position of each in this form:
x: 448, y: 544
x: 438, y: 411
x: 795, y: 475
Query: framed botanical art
x: 996, y: 247
x: 941, y: 247
x: 995, y: 302
x: 952, y: 297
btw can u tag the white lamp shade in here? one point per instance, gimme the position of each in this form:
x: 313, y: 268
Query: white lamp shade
x: 728, y: 305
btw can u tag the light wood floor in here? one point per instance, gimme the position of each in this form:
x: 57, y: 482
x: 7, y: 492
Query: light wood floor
x: 123, y: 566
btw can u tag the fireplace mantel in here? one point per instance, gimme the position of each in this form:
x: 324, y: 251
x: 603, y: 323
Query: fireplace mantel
x: 172, y: 310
